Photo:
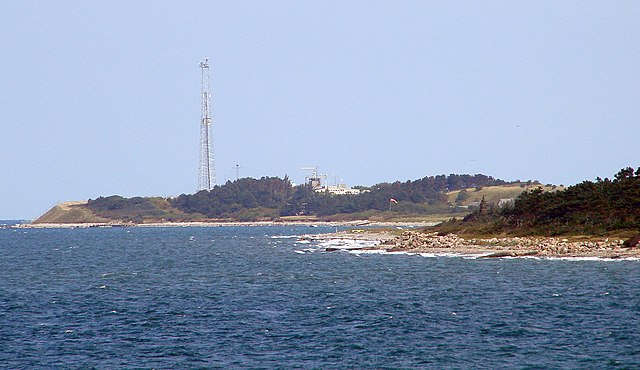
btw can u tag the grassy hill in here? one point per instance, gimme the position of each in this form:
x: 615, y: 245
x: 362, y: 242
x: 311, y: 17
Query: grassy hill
x: 603, y: 207
x: 70, y: 212
x: 493, y: 194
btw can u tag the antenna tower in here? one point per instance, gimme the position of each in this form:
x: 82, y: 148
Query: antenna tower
x: 206, y: 177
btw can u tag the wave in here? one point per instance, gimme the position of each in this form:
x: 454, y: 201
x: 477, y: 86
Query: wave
x: 579, y: 259
x: 347, y: 244
x: 481, y: 256
x: 359, y: 246
x: 285, y: 236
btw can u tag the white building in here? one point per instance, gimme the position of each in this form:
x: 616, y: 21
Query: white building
x: 341, y: 189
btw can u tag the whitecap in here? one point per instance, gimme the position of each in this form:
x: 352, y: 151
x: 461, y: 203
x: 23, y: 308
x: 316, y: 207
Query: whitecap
x: 532, y: 257
x: 368, y: 251
x: 450, y: 255
x: 593, y: 258
x: 407, y: 253
x: 471, y: 256
x: 428, y: 255
x: 347, y: 244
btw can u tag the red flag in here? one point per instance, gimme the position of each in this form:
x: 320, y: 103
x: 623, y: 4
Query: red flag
x: 393, y: 201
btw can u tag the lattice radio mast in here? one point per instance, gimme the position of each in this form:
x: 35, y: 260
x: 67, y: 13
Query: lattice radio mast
x: 206, y: 178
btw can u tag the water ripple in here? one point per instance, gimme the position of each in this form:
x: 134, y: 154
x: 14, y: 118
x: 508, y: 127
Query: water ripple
x: 225, y: 297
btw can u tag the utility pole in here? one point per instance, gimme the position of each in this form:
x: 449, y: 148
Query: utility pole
x: 206, y: 174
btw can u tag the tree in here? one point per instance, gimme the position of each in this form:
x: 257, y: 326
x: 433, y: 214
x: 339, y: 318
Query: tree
x: 462, y: 196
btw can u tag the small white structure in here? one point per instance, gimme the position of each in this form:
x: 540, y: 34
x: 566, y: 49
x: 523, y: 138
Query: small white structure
x: 341, y: 189
x: 315, y: 180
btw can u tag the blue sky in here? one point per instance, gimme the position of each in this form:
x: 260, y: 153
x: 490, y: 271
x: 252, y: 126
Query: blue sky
x: 101, y: 98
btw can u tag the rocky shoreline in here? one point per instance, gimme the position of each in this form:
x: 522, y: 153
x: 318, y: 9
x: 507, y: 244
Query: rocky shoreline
x: 224, y: 223
x: 412, y: 241
x: 431, y: 243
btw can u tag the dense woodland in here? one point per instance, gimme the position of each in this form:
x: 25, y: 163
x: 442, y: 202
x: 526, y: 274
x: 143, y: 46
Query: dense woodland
x: 589, y: 208
x: 250, y: 199
x: 278, y: 196
x: 244, y: 199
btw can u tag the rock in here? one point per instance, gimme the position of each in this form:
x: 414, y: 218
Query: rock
x: 510, y: 254
x: 500, y: 254
x: 527, y: 253
x: 632, y: 242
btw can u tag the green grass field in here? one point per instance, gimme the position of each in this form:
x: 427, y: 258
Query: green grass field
x: 493, y: 194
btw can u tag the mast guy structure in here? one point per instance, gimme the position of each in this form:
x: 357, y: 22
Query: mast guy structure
x: 206, y: 176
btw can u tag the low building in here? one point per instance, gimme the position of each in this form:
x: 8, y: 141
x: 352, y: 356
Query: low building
x: 341, y: 189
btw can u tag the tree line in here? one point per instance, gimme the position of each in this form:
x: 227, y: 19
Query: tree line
x: 590, y: 207
x: 420, y: 196
x: 272, y: 197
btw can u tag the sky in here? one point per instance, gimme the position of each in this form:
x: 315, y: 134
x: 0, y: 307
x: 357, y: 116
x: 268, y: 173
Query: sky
x: 103, y: 97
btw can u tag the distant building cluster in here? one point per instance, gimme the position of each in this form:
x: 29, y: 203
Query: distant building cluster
x: 340, y: 189
x: 315, y: 181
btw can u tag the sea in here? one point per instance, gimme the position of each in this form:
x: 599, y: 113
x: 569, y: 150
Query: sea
x: 258, y: 297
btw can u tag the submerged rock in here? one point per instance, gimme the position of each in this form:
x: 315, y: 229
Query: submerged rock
x: 510, y: 254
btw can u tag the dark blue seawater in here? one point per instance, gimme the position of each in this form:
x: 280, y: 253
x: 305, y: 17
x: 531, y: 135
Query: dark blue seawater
x: 6, y: 223
x: 235, y: 297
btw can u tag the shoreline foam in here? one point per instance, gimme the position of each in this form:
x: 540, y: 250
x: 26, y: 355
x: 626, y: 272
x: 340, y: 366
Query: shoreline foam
x: 431, y: 244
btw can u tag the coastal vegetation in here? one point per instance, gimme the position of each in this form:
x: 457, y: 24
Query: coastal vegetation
x: 474, y: 205
x: 599, y: 207
x: 135, y: 209
x: 278, y: 197
x: 272, y: 198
